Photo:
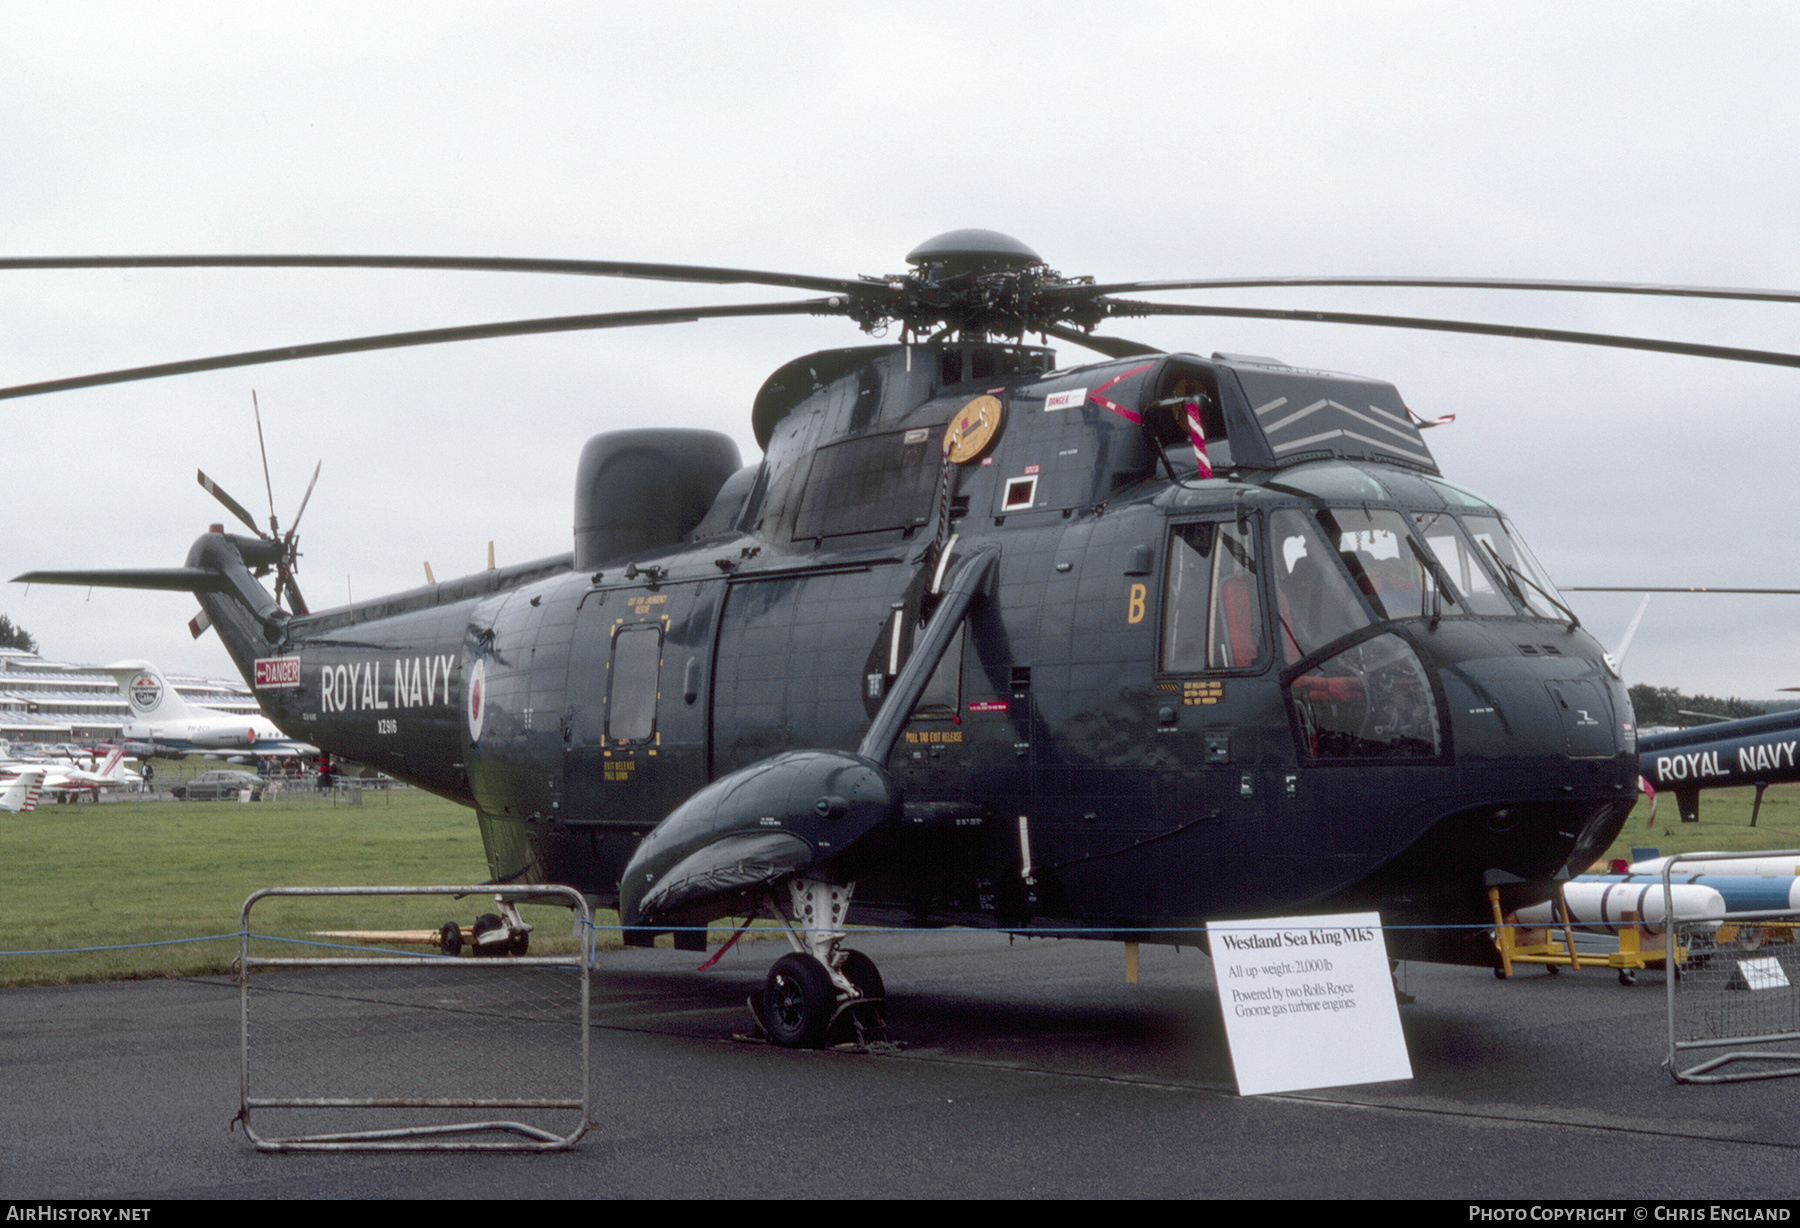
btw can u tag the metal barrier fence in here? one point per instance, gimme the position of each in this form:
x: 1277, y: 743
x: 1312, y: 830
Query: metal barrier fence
x: 406, y: 1046
x: 1734, y: 983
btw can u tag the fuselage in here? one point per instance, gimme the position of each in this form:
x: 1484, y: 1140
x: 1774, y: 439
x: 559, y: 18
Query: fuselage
x: 1325, y: 677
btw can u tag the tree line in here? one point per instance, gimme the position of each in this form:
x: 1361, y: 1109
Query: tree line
x: 1667, y: 705
x: 15, y: 636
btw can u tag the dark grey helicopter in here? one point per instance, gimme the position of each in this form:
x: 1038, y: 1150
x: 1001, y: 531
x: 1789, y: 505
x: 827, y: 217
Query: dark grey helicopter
x: 1106, y: 651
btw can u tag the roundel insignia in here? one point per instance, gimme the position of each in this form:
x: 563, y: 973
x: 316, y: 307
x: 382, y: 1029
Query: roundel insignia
x: 975, y: 426
x: 146, y: 692
x: 475, y: 703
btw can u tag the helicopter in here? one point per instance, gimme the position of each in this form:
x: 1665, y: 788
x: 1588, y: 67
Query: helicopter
x: 1758, y: 751
x: 1109, y: 651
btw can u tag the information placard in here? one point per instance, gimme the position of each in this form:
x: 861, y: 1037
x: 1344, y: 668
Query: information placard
x: 1308, y: 1002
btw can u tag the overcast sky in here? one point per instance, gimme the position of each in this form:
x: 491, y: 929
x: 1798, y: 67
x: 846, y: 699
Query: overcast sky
x: 1628, y: 142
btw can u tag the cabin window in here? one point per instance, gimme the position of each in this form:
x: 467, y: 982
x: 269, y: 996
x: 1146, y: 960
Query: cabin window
x: 631, y: 702
x: 1212, y: 605
x: 942, y: 699
x: 1317, y: 603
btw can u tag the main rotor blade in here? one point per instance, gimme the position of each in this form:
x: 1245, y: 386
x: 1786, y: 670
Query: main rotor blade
x: 1440, y: 283
x: 432, y: 336
x: 707, y: 274
x: 1591, y: 588
x: 1134, y: 308
x: 1112, y: 347
x: 158, y: 579
x: 232, y: 505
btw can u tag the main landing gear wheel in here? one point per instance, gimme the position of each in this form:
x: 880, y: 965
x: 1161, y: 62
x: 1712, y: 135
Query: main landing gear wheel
x: 866, y: 1016
x: 861, y: 972
x: 798, y: 1002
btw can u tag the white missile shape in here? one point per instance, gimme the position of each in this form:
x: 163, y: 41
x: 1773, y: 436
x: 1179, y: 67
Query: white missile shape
x: 1605, y: 904
x: 1760, y: 867
x: 1742, y: 892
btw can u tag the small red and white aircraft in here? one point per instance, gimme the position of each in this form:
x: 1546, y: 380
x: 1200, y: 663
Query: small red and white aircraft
x: 21, y: 792
x: 64, y: 781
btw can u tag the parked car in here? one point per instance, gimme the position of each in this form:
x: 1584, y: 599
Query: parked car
x: 219, y: 785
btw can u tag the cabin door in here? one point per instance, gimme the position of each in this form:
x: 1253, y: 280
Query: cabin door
x: 639, y: 684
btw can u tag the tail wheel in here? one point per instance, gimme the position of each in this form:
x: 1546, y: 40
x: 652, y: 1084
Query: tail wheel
x: 798, y: 1002
x: 486, y: 924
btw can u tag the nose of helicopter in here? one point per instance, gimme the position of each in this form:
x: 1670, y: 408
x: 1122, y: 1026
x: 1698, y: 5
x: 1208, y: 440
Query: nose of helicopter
x: 1542, y: 737
x: 1525, y: 693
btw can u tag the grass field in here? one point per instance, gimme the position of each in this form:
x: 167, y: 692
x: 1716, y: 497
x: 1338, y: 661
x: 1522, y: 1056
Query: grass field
x: 127, y: 872
x: 1724, y: 824
x: 121, y: 873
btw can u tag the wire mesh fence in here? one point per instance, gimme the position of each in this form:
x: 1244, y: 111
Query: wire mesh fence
x: 1738, y: 985
x: 1735, y: 986
x: 381, y: 1049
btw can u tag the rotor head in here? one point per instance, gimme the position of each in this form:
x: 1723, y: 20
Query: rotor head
x: 972, y: 251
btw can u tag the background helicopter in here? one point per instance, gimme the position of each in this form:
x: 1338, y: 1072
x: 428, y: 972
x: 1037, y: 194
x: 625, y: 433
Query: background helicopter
x: 1104, y: 651
x: 1756, y: 751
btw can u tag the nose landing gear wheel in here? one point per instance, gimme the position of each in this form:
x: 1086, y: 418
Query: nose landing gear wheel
x: 798, y: 1002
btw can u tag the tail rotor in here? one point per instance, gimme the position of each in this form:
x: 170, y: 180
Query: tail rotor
x: 287, y: 555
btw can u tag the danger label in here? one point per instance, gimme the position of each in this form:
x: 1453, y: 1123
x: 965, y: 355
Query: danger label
x: 277, y: 672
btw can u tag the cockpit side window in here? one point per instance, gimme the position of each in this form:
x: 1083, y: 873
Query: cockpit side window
x: 1212, y: 607
x: 1317, y: 604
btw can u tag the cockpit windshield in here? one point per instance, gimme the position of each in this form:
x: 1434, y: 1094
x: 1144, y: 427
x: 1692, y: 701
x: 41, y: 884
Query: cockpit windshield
x: 1470, y: 568
x: 1383, y: 560
x: 1505, y: 551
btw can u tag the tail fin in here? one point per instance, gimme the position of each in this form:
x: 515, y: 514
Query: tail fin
x: 113, y: 767
x: 148, y: 693
x: 219, y: 573
x: 21, y: 794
